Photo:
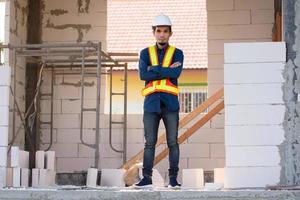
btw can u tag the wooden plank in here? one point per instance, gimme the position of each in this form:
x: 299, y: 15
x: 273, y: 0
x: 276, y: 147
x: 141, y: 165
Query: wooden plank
x: 192, y: 130
x: 182, y: 123
x: 122, y: 54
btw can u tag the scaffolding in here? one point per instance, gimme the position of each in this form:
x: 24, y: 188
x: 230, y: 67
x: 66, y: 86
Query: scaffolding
x: 84, y: 59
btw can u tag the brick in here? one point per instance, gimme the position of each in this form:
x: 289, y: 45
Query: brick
x: 50, y: 160
x: 110, y: 163
x: 65, y: 150
x: 66, y: 92
x: 46, y: 106
x: 228, y: 17
x: 68, y: 136
x: 215, y: 76
x: 256, y: 114
x: 243, y: 156
x: 133, y: 149
x: 85, y: 151
x: 217, y: 150
x: 35, y: 177
x: 219, y: 5
x: 135, y: 135
x: 135, y: 121
x: 241, y: 177
x: 16, y: 177
x: 45, y: 135
x: 192, y: 178
x: 253, y: 94
x: 5, y: 93
x: 5, y: 75
x: 66, y: 121
x: 3, y: 156
x: 206, y: 163
x: 270, y: 135
x: 262, y: 16
x: 117, y: 135
x: 15, y: 157
x: 254, y: 52
x: 252, y: 31
x: 194, y: 150
x: 25, y: 175
x: 40, y: 159
x: 215, y: 61
x: 112, y: 177
x: 43, y: 178
x: 4, y: 117
x: 219, y: 175
x: 107, y: 152
x: 3, y: 135
x: 2, y: 177
x: 242, y: 73
x: 205, y: 135
x: 9, y: 177
x: 92, y: 175
x: 73, y: 164
x: 254, y: 4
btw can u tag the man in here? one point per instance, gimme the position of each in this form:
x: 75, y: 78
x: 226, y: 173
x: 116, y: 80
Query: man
x: 160, y: 66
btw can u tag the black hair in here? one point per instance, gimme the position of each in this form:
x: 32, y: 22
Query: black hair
x: 154, y: 28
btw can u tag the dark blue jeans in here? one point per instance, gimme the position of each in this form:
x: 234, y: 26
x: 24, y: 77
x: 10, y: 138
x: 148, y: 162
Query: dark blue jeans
x: 151, y: 124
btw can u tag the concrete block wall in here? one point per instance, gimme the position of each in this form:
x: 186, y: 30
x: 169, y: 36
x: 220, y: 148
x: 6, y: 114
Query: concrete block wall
x: 254, y: 113
x: 234, y: 21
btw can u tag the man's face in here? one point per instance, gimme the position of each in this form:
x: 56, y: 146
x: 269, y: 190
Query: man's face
x: 162, y: 34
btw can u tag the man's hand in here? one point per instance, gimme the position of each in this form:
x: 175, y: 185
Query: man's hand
x: 176, y: 64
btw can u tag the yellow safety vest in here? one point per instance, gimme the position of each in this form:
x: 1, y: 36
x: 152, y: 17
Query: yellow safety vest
x: 164, y: 85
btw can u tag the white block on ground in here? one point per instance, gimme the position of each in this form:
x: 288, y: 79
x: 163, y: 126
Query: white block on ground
x: 4, y: 136
x: 242, y: 73
x: 213, y: 186
x: 92, y: 175
x: 3, y: 156
x: 247, y: 177
x: 112, y: 177
x: 43, y: 177
x: 35, y: 177
x: 192, y: 178
x: 254, y: 114
x: 254, y: 135
x: 253, y: 94
x: 4, y: 92
x: 24, y: 159
x: 2, y: 177
x: 157, y: 179
x: 254, y: 52
x: 243, y: 156
x: 219, y: 175
x: 50, y: 160
x: 16, y: 176
x: 4, y: 117
x: 14, y: 156
x: 40, y: 159
x: 9, y: 177
x: 50, y: 179
x: 5, y: 75
x: 25, y: 175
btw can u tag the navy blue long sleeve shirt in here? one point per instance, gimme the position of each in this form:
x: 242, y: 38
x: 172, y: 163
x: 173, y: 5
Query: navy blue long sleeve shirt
x: 153, y: 102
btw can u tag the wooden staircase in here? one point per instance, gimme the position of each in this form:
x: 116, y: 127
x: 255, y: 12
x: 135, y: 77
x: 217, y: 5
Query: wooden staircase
x: 188, y: 118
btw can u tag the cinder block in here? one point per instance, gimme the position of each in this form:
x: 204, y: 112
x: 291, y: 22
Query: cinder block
x: 253, y: 73
x: 14, y: 156
x: 254, y: 4
x: 219, y: 175
x: 9, y: 177
x: 23, y: 159
x: 67, y: 121
x: 188, y: 151
x: 254, y: 135
x: 4, y: 136
x: 40, y: 159
x: 192, y: 178
x: 2, y: 177
x: 247, y: 177
x: 270, y: 93
x: 220, y: 5
x: 213, y: 186
x: 25, y: 177
x: 50, y: 179
x: 16, y: 176
x: 243, y: 156
x: 50, y: 160
x: 43, y: 177
x: 4, y: 117
x: 112, y: 177
x: 92, y: 175
x: 254, y: 52
x: 255, y: 114
x: 3, y: 156
x: 158, y: 180
x: 4, y: 92
x: 35, y: 177
x: 229, y: 17
x: 5, y: 75
x: 262, y: 16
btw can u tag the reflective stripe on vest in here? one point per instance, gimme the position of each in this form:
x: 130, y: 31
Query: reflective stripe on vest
x: 164, y: 85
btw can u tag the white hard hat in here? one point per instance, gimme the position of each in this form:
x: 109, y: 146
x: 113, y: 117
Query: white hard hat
x: 162, y: 20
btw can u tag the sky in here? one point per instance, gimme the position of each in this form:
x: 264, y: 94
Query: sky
x: 2, y: 21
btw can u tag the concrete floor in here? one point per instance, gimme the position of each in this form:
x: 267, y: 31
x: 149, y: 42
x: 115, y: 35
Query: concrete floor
x: 131, y: 194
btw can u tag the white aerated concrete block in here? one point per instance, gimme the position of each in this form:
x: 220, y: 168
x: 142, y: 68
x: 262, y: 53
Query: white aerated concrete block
x: 4, y: 117
x: 213, y: 186
x: 245, y: 156
x: 50, y: 179
x: 3, y: 156
x: 247, y: 177
x: 2, y: 177
x: 192, y: 178
x: 14, y: 156
x: 5, y: 75
x: 16, y: 177
x: 35, y: 177
x: 254, y: 52
x: 112, y: 177
x: 218, y: 175
x: 4, y: 136
x: 50, y: 160
x: 4, y: 93
x: 43, y: 178
x: 23, y: 159
x: 269, y: 135
x: 9, y: 177
x: 40, y: 159
x: 92, y: 175
x: 25, y: 175
x: 157, y: 179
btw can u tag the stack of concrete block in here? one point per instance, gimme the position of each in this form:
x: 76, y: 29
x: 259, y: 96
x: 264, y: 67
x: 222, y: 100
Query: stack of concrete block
x: 193, y: 178
x: 43, y: 175
x: 254, y: 113
x: 19, y: 163
x: 5, y: 74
